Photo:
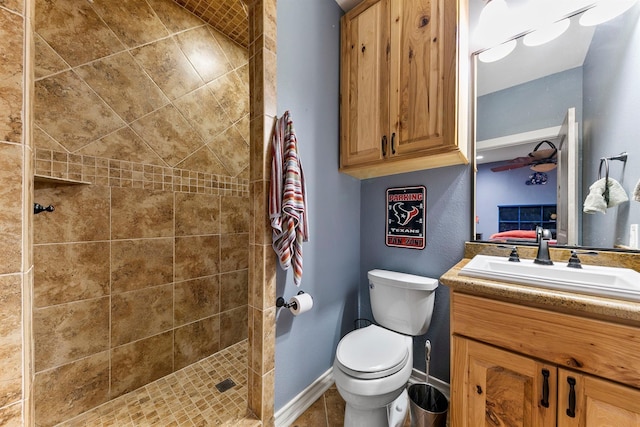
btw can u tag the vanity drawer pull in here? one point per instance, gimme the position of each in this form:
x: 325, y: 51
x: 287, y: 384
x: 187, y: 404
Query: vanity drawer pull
x: 571, y: 410
x: 545, y: 388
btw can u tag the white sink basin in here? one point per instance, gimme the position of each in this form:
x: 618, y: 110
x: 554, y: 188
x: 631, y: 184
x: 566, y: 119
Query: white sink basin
x: 620, y: 283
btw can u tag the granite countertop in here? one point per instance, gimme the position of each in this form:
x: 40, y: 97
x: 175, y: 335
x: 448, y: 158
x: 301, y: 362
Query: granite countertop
x: 619, y: 311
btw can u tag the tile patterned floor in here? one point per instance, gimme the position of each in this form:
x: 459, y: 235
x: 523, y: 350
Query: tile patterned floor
x: 185, y: 398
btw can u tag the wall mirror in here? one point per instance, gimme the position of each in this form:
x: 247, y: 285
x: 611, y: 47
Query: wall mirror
x: 579, y: 94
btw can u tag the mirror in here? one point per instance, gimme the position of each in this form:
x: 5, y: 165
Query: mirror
x: 581, y: 93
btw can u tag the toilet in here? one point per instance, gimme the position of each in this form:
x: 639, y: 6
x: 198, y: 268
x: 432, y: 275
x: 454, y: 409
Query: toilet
x: 373, y: 364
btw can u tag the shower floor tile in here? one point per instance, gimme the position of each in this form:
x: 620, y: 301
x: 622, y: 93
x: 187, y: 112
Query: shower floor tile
x: 187, y: 397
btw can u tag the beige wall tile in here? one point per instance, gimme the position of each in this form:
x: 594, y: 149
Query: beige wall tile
x: 232, y: 94
x: 70, y: 272
x: 10, y: 339
x: 75, y: 31
x: 204, y: 113
x: 204, y: 160
x: 141, y: 313
x: 11, y: 34
x: 124, y: 85
x: 168, y: 66
x: 234, y: 288
x: 67, y: 332
x: 234, y: 215
x: 233, y: 326
x: 69, y: 110
x: 47, y: 61
x: 234, y: 252
x: 197, y: 256
x: 237, y: 55
x: 196, y: 341
x: 196, y: 299
x: 68, y: 390
x: 197, y: 214
x: 138, y: 213
x: 204, y: 53
x: 11, y: 212
x: 173, y: 16
x: 232, y: 150
x: 134, y: 22
x: 122, y: 144
x: 136, y: 364
x: 82, y: 214
x: 268, y: 339
x: 11, y: 415
x: 141, y: 263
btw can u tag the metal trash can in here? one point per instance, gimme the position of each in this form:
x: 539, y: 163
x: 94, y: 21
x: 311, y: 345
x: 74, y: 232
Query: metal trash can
x: 428, y: 406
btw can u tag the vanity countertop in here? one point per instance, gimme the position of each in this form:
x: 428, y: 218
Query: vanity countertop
x: 620, y: 311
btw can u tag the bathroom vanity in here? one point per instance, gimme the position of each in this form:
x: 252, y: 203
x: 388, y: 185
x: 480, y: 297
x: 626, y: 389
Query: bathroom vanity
x: 527, y: 356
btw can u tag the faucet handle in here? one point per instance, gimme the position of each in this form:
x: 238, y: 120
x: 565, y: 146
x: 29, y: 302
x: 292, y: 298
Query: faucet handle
x: 574, y: 261
x: 513, y: 256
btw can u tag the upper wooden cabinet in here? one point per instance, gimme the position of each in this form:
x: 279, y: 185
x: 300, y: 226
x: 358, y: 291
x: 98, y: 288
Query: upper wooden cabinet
x: 404, y: 86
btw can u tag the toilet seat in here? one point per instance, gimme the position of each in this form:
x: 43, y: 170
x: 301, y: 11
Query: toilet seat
x: 372, y: 352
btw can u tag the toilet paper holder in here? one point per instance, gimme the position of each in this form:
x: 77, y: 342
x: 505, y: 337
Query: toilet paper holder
x: 281, y: 302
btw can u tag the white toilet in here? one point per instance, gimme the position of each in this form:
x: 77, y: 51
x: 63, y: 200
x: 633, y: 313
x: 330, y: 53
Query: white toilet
x: 373, y: 364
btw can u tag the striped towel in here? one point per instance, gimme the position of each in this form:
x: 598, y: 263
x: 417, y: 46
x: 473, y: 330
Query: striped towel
x: 287, y: 199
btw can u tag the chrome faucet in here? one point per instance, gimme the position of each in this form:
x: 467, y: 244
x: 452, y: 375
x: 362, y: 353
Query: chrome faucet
x: 542, y: 237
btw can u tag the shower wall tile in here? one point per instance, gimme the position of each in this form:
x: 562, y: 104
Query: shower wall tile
x: 232, y: 94
x: 234, y: 290
x: 204, y: 159
x: 233, y: 326
x: 168, y: 66
x: 234, y: 252
x: 236, y: 54
x: 47, y: 61
x: 173, y: 16
x: 134, y: 22
x: 67, y: 332
x: 235, y: 215
x: 10, y: 339
x: 11, y: 69
x: 70, y: 27
x: 68, y: 390
x: 82, y: 214
x: 197, y: 214
x: 196, y: 299
x: 69, y: 272
x: 268, y: 339
x: 141, y: 313
x: 136, y: 364
x: 122, y: 144
x: 71, y: 112
x: 141, y: 263
x: 124, y: 85
x: 197, y: 256
x: 138, y: 213
x: 232, y: 149
x: 204, y: 113
x: 196, y: 341
x: 204, y: 53
x: 11, y: 415
x: 11, y: 212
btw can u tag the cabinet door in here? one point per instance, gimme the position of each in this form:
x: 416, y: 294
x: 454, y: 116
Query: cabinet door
x: 501, y: 388
x: 364, y: 87
x: 423, y: 75
x: 598, y: 403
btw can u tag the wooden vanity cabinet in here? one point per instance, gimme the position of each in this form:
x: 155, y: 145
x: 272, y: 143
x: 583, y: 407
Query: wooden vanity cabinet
x: 518, y: 366
x: 399, y: 87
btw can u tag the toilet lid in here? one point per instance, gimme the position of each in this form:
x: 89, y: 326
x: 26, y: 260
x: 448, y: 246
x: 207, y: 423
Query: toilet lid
x: 372, y: 352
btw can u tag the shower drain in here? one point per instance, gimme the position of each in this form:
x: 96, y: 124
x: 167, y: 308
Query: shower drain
x: 225, y: 385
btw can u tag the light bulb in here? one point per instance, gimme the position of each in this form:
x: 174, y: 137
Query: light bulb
x: 498, y: 52
x: 604, y: 11
x: 546, y: 33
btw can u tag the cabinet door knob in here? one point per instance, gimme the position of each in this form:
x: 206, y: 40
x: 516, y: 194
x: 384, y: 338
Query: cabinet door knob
x: 393, y: 144
x: 545, y: 388
x: 384, y: 145
x: 571, y: 410
x: 478, y: 389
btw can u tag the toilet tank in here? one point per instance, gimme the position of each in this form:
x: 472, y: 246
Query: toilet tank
x: 402, y: 302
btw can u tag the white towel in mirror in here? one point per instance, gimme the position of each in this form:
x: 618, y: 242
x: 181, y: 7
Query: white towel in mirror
x: 596, y: 202
x: 636, y: 192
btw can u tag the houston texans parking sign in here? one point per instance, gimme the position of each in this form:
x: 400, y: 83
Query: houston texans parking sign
x: 406, y: 219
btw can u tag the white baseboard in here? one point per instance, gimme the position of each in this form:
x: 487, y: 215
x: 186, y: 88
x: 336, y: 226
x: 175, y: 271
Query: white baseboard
x: 418, y: 377
x: 307, y: 397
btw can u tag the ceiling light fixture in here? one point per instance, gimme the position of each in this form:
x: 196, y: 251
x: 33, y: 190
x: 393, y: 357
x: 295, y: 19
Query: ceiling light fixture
x: 492, y: 28
x: 547, y: 33
x: 604, y: 11
x: 497, y: 53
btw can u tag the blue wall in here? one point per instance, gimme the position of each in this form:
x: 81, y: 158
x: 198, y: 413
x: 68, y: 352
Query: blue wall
x: 448, y: 227
x: 308, y: 85
x: 533, y: 105
x: 611, y: 122
x: 507, y: 188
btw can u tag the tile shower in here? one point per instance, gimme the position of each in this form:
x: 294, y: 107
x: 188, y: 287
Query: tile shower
x: 144, y: 270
